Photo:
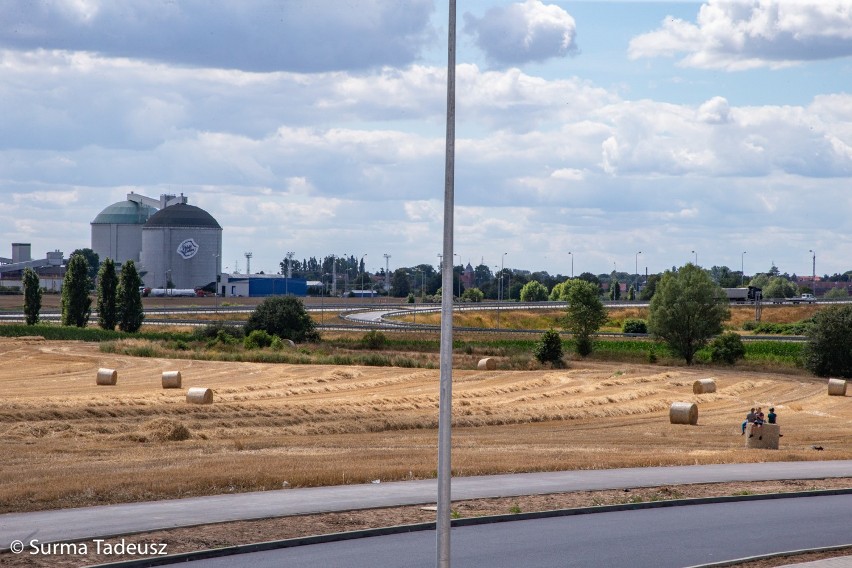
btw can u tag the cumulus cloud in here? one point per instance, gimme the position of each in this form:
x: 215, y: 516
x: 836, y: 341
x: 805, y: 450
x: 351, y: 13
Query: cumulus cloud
x: 523, y: 32
x: 745, y: 34
x: 263, y: 35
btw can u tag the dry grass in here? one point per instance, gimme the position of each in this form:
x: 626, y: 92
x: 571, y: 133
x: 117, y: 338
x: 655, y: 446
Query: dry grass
x: 67, y: 442
x: 544, y: 319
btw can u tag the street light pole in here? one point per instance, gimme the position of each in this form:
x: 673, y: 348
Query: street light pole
x: 637, y: 269
x: 813, y: 283
x: 362, y: 273
x: 742, y: 268
x: 696, y: 257
x: 572, y: 264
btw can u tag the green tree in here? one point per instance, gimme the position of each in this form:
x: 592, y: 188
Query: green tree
x: 93, y: 259
x: 586, y: 313
x: 32, y: 296
x: 76, y: 303
x: 285, y: 317
x: 650, y: 287
x: 534, y: 291
x: 548, y: 349
x: 779, y: 287
x: 128, y: 299
x: 400, y: 286
x: 829, y: 348
x: 687, y: 310
x: 472, y: 295
x: 559, y: 293
x: 727, y: 348
x: 836, y: 294
x: 614, y: 288
x: 107, y: 286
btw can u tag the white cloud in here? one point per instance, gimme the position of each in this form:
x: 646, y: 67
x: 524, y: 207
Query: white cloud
x: 739, y: 34
x: 523, y: 32
x: 262, y: 35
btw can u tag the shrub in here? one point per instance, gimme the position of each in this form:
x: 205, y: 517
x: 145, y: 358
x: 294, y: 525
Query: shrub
x: 285, y: 317
x: 374, y: 340
x: 829, y: 348
x: 258, y: 339
x: 727, y: 348
x: 635, y: 326
x: 548, y: 349
x: 212, y: 331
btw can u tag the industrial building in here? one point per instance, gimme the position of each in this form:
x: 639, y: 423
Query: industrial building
x: 261, y: 285
x: 174, y: 244
x: 51, y: 269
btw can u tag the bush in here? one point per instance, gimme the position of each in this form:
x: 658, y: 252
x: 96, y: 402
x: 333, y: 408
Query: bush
x: 285, y: 317
x: 829, y: 348
x: 257, y: 339
x: 549, y: 348
x: 727, y: 348
x: 212, y: 331
x: 634, y: 326
x: 374, y: 340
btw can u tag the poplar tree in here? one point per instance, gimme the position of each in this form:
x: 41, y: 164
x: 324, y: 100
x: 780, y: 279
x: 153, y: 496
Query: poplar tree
x: 129, y: 299
x: 32, y: 296
x: 107, y: 285
x: 76, y: 303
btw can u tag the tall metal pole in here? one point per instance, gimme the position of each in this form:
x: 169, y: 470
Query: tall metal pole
x: 572, y: 264
x: 445, y: 404
x: 742, y: 268
x: 813, y: 282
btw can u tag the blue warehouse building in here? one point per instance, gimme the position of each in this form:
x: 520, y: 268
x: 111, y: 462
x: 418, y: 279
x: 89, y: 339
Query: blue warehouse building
x: 262, y: 285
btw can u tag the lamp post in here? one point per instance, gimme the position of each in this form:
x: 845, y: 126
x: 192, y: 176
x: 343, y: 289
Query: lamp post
x: 322, y: 298
x: 742, y: 268
x: 572, y: 264
x: 362, y: 273
x: 813, y: 283
x: 637, y: 268
x: 460, y: 272
x: 696, y: 257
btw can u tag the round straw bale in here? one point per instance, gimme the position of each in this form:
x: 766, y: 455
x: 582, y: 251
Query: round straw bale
x: 199, y: 395
x: 704, y: 386
x: 683, y: 413
x: 836, y: 387
x: 487, y: 364
x: 107, y: 376
x: 171, y: 379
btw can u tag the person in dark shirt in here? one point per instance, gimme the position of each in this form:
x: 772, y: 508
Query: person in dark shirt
x: 771, y: 417
x: 749, y: 418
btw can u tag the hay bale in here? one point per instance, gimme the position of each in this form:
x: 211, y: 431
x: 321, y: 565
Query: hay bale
x: 683, y: 413
x: 765, y: 437
x: 107, y: 377
x: 704, y: 386
x: 836, y: 387
x: 487, y: 364
x: 171, y: 379
x: 199, y: 395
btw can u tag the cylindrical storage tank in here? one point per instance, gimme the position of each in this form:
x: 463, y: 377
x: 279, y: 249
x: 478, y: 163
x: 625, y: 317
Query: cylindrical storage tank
x: 171, y: 379
x: 487, y: 364
x: 181, y: 248
x: 836, y: 387
x: 704, y: 386
x: 117, y: 231
x: 683, y: 413
x: 199, y: 395
x: 107, y: 376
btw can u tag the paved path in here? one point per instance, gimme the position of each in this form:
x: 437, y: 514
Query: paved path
x: 95, y: 522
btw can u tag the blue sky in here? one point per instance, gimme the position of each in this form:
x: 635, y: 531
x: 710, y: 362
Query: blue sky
x: 317, y: 126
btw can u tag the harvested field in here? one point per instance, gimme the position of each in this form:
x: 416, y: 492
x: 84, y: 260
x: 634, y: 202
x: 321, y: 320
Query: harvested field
x: 67, y: 442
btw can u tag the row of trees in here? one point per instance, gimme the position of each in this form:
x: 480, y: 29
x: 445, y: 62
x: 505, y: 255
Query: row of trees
x: 119, y: 302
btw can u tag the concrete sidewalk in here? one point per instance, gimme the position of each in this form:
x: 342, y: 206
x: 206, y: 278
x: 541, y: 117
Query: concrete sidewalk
x: 97, y: 522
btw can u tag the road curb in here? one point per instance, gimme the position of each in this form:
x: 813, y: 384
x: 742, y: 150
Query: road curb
x: 800, y: 552
x: 469, y: 521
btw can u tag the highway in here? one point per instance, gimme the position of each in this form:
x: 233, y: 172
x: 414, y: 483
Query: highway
x: 653, y: 538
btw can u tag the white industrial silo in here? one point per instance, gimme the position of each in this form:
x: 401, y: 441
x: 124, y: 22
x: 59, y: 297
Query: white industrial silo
x: 181, y: 244
x: 117, y: 231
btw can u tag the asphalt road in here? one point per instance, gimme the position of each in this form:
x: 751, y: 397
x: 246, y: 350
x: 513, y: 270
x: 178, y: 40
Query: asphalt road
x: 102, y: 521
x: 652, y: 538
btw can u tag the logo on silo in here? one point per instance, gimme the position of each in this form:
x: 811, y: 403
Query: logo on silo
x: 187, y: 249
